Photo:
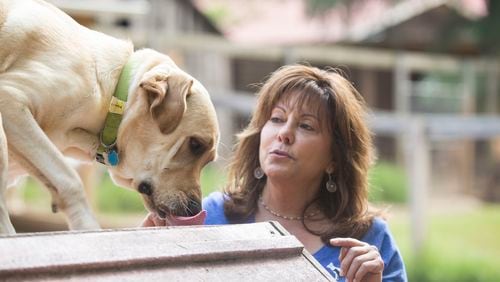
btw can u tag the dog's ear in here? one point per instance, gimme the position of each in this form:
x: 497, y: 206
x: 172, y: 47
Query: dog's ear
x: 166, y: 95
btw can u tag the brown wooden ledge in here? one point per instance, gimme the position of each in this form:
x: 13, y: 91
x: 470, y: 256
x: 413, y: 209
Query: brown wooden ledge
x: 245, y: 252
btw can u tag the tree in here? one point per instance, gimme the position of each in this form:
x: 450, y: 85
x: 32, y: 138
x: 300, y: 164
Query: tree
x: 487, y: 29
x: 319, y: 8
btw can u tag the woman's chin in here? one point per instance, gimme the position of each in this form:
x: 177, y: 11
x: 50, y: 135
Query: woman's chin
x: 279, y: 173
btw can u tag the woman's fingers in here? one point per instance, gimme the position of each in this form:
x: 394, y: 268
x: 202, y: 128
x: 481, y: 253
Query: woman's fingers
x: 148, y: 221
x: 351, y: 261
x: 359, y: 261
x: 368, y: 271
x: 152, y: 220
x: 345, y: 244
x: 356, y: 270
x: 158, y: 221
x: 343, y: 252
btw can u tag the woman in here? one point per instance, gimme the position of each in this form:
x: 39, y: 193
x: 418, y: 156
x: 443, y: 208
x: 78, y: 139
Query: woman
x: 303, y: 161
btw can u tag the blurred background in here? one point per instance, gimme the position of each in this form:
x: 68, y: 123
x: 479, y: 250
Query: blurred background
x: 428, y: 69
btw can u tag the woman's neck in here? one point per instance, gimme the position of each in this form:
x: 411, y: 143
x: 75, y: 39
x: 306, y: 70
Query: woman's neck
x: 311, y: 242
x: 287, y: 197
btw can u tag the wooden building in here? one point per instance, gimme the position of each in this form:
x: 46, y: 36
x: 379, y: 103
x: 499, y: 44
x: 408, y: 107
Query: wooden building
x: 245, y: 252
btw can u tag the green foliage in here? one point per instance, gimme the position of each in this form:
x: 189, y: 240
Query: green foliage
x: 431, y: 265
x: 33, y: 192
x: 217, y: 14
x: 34, y: 195
x: 113, y: 199
x: 487, y: 29
x: 388, y: 184
x: 212, y: 179
x: 320, y: 7
x: 315, y: 7
x: 460, y: 246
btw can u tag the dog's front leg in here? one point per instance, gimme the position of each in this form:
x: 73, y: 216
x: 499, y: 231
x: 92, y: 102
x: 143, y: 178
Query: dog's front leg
x: 44, y: 159
x: 5, y: 224
x: 81, y: 144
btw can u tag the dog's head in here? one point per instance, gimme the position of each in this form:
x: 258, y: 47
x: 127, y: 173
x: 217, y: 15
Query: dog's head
x: 169, y: 132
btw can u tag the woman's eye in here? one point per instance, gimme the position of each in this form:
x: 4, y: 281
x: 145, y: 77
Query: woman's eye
x: 306, y: 126
x: 275, y: 119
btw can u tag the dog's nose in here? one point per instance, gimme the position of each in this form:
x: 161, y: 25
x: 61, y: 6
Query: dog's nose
x: 145, y: 188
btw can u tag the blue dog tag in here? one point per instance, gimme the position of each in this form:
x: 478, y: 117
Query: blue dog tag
x: 113, y: 158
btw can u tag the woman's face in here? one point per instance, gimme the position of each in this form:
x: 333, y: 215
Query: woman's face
x: 293, y: 145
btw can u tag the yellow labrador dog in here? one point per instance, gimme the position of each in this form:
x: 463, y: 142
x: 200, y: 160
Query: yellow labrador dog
x: 63, y: 89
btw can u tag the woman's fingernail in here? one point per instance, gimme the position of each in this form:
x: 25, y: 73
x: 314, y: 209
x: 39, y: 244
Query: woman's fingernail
x: 341, y: 272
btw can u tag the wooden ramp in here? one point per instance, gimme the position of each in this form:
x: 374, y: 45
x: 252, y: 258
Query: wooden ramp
x: 245, y: 252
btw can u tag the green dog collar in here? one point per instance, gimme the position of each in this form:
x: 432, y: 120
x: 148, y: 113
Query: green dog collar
x: 107, y: 152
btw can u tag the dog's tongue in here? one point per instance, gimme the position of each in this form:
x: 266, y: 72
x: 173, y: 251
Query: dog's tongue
x: 187, y: 220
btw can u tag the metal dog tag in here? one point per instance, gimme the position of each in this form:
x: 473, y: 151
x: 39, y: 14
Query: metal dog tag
x: 113, y: 157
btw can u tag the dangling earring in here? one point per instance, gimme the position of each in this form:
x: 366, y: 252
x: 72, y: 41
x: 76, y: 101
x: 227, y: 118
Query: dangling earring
x: 258, y: 173
x: 330, y: 184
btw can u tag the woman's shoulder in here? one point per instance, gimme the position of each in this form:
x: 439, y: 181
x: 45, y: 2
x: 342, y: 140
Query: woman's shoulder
x: 378, y: 227
x: 216, y: 197
x: 214, y: 205
x: 379, y: 234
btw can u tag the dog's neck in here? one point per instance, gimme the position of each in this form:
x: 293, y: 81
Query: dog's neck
x: 107, y: 152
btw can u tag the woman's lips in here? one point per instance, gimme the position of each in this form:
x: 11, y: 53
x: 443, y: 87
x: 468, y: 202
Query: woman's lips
x: 281, y: 154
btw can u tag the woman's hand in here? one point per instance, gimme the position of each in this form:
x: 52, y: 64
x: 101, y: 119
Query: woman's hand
x: 152, y: 220
x: 359, y: 261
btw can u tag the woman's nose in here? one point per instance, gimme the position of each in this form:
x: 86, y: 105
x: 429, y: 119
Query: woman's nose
x: 286, y: 134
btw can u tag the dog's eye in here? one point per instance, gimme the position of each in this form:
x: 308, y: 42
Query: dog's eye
x: 196, y: 146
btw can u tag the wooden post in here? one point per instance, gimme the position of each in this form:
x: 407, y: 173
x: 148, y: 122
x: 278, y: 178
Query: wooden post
x: 368, y: 86
x: 290, y: 56
x: 469, y: 88
x: 213, y: 70
x: 402, y: 86
x: 222, y: 80
x: 161, y: 22
x: 492, y: 86
x: 417, y: 168
x: 402, y: 94
x: 466, y: 166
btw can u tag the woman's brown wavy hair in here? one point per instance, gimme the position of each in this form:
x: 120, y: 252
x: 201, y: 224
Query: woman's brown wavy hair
x: 342, y: 112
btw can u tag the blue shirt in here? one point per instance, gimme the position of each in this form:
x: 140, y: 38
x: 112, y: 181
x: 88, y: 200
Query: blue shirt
x: 328, y: 256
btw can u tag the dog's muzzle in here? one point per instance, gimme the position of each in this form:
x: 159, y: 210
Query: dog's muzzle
x: 191, y: 208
